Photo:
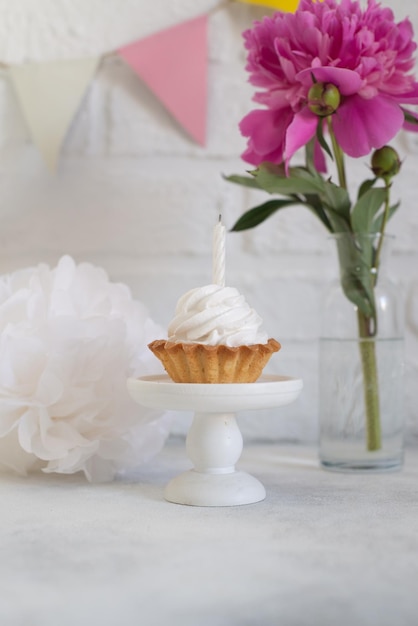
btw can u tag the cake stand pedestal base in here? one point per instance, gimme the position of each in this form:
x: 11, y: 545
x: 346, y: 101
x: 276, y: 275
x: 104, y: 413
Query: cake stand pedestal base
x: 199, y: 489
x: 214, y: 442
x: 214, y: 445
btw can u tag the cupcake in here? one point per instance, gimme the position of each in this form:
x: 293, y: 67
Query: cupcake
x: 215, y: 337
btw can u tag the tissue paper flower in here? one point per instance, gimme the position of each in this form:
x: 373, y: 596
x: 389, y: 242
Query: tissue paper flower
x: 69, y: 339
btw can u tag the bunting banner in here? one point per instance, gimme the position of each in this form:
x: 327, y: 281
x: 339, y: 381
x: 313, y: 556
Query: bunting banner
x: 173, y: 63
x: 280, y: 5
x: 49, y: 95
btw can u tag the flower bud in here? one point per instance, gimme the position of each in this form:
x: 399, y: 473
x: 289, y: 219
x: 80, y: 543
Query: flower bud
x: 323, y: 99
x: 385, y: 162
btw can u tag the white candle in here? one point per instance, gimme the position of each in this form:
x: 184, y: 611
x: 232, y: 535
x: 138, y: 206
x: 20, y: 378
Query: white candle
x: 218, y: 258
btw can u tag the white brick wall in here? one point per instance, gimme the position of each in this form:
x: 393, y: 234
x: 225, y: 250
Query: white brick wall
x: 132, y: 193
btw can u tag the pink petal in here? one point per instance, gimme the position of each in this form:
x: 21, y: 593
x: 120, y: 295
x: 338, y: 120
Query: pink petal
x: 361, y: 125
x: 347, y: 81
x: 409, y: 98
x: 299, y: 132
x: 266, y: 131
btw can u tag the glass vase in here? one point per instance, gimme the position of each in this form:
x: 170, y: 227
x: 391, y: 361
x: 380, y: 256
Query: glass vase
x: 361, y: 414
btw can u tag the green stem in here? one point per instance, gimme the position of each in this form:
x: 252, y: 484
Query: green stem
x: 366, y: 324
x: 367, y: 331
x: 370, y: 381
x: 338, y: 155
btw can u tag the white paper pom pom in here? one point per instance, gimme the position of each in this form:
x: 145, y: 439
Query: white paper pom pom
x: 69, y: 339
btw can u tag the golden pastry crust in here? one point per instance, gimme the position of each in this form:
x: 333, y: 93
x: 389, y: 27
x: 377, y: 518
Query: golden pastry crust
x: 198, y: 363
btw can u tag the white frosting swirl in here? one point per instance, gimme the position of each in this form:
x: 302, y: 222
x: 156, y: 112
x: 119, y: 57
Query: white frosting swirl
x: 215, y: 315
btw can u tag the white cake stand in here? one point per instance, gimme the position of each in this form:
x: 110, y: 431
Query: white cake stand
x: 214, y: 442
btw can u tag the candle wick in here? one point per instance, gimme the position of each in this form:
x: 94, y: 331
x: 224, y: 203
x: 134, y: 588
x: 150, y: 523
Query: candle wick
x: 220, y: 217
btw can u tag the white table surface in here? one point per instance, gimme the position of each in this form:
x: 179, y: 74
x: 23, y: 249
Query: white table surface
x: 322, y: 549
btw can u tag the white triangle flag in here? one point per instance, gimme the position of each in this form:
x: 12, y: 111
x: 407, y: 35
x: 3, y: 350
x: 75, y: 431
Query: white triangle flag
x: 49, y: 95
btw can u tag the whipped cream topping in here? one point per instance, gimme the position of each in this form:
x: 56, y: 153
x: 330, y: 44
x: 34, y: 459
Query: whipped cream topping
x: 215, y: 315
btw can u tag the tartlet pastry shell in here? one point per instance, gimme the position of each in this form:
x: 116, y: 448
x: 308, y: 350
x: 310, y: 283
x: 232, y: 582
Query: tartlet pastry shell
x: 198, y: 363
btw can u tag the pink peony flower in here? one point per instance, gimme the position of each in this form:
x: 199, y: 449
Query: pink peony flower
x: 363, y: 52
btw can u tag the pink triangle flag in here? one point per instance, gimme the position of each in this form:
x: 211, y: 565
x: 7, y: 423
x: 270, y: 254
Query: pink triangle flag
x: 173, y: 63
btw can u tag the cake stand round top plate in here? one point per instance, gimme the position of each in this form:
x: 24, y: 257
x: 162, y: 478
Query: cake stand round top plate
x: 161, y: 392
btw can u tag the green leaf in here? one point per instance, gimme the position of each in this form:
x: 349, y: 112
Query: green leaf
x: 356, y: 258
x: 337, y: 199
x: 330, y: 203
x: 409, y: 117
x: 314, y: 203
x: 272, y: 178
x: 309, y: 157
x: 301, y: 182
x: 339, y: 224
x: 321, y: 139
x: 377, y: 224
x: 366, y: 208
x: 365, y: 186
x: 246, y: 181
x: 359, y: 290
x: 303, y: 173
x: 258, y: 214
